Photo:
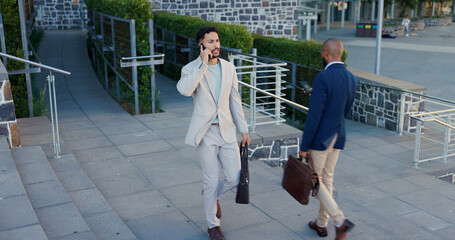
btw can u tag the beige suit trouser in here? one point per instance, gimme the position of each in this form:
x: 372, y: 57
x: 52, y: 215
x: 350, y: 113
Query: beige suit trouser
x: 213, y: 151
x: 324, y: 164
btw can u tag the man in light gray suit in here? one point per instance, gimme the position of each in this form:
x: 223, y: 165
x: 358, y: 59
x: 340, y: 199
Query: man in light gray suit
x: 213, y: 84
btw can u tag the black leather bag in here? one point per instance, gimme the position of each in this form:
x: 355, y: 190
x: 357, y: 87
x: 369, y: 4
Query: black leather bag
x: 300, y: 179
x: 243, y: 190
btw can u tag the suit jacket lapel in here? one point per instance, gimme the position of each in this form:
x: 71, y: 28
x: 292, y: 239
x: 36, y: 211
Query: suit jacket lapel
x: 224, y: 80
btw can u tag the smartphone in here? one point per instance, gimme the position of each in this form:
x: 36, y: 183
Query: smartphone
x: 306, y: 86
x: 203, y: 48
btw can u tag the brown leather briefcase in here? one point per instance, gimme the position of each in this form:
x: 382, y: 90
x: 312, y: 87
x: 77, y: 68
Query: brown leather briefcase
x: 299, y: 179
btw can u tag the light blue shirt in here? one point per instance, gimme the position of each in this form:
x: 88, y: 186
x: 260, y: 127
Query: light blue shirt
x: 215, y: 74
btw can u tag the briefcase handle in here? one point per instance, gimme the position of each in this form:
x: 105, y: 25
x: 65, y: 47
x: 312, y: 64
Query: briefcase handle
x: 309, y: 160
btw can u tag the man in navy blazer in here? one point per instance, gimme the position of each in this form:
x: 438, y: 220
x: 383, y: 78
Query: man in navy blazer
x: 324, y: 134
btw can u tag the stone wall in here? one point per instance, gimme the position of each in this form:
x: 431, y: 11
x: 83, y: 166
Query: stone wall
x: 274, y: 152
x: 268, y: 17
x: 380, y: 102
x: 8, y: 123
x: 58, y: 14
x: 437, y: 22
x: 395, y: 31
x: 417, y: 26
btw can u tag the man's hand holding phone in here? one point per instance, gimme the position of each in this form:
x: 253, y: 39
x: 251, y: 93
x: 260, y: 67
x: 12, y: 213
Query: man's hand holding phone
x: 306, y: 87
x: 206, y: 54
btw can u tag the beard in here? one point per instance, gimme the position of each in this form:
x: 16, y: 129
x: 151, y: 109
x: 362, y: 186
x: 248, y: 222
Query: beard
x: 216, y: 56
x: 324, y: 62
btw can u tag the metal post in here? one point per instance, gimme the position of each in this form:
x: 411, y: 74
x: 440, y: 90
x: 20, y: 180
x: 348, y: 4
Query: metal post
x: 402, y: 106
x: 328, y: 15
x: 359, y: 6
x: 315, y: 25
x: 25, y: 47
x: 278, y: 93
x: 106, y: 77
x: 133, y: 54
x: 152, y: 52
x: 54, y: 114
x: 294, y: 73
x: 308, y: 29
x: 2, y: 40
x: 392, y: 10
x: 342, y: 14
x: 379, y: 37
x: 373, y: 9
x: 299, y: 36
x: 432, y: 11
x: 253, y: 93
x: 446, y: 138
x: 417, y: 144
x: 117, y: 82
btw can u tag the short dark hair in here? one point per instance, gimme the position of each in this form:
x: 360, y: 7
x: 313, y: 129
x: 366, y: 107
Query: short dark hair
x: 205, y: 30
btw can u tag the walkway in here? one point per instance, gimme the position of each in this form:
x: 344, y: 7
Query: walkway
x: 153, y: 181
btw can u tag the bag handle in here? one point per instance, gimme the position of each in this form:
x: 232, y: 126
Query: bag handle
x: 244, y: 150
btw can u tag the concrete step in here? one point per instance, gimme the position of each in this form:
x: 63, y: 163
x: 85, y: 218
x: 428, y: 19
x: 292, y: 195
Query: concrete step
x: 96, y: 211
x: 17, y: 217
x: 58, y: 216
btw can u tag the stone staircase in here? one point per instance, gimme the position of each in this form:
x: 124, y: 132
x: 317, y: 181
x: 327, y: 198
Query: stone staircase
x: 47, y: 198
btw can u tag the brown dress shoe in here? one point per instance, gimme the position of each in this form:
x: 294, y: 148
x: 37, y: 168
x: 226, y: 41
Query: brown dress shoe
x: 322, y: 231
x: 215, y: 233
x: 344, y: 229
x: 218, y: 209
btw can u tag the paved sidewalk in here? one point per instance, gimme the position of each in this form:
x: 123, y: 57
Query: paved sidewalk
x: 153, y: 181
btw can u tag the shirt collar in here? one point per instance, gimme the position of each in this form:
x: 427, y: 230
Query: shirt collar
x: 328, y: 65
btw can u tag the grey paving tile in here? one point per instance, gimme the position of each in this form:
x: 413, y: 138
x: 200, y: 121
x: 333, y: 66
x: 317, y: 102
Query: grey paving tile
x: 144, y: 147
x: 120, y: 129
x: 6, y: 162
x: 271, y: 230
x: 446, y: 233
x: 89, y: 202
x: 16, y: 212
x: 61, y: 220
x: 167, y: 123
x: 109, y: 226
x: 426, y: 220
x: 368, y: 192
x: 34, y: 232
x: 147, y: 161
x: 167, y: 176
x: 27, y: 155
x: 68, y: 135
x: 424, y: 180
x: 396, y: 186
x: 82, y: 144
x: 172, y: 226
x: 108, y: 167
x: 76, y: 125
x: 117, y: 185
x: 75, y: 180
x: 36, y: 172
x: 88, y: 235
x: 192, y: 194
x: 10, y: 184
x: 99, y: 153
x: 134, y: 137
x: 47, y: 193
x: 145, y: 204
x: 422, y: 199
x: 31, y: 140
x: 172, y: 132
x: 391, y: 206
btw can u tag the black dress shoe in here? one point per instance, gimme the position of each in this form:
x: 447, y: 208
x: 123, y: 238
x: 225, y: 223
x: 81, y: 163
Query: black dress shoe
x: 322, y: 231
x: 215, y: 233
x: 344, y: 229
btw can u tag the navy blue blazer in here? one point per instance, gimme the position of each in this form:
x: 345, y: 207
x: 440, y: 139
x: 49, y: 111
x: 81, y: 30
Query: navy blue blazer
x: 331, y: 100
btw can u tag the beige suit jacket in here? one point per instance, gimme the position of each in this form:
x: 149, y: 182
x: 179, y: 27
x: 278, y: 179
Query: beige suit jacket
x: 195, y: 81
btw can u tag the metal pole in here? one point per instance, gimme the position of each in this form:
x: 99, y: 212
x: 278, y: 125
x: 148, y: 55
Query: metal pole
x: 373, y: 6
x: 2, y: 40
x: 294, y: 73
x: 447, y: 138
x: 51, y: 105
x: 57, y: 149
x: 358, y: 10
x: 432, y: 11
x: 417, y: 144
x: 308, y: 29
x: 328, y: 15
x: 253, y: 93
x: 106, y: 77
x: 299, y: 36
x: 152, y: 52
x: 392, y: 10
x: 278, y: 93
x: 342, y: 14
x: 25, y: 47
x: 402, y: 106
x: 315, y: 25
x: 117, y: 82
x: 379, y: 37
x: 133, y: 54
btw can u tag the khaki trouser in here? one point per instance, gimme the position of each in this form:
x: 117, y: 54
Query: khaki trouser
x: 324, y: 164
x: 213, y: 151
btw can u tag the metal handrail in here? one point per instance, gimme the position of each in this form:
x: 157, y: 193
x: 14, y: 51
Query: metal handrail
x: 34, y: 63
x: 141, y: 57
x: 275, y: 96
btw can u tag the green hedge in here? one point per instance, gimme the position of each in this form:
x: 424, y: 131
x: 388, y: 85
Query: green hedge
x: 141, y: 12
x: 231, y: 35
